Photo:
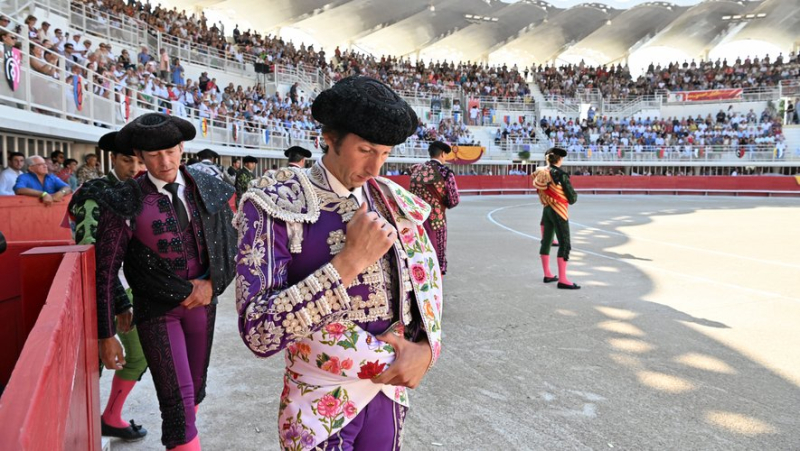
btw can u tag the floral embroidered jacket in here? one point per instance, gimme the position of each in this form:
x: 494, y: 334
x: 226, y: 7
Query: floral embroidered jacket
x: 289, y: 297
x: 435, y: 183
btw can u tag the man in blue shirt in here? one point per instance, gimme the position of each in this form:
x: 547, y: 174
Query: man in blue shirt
x: 39, y: 183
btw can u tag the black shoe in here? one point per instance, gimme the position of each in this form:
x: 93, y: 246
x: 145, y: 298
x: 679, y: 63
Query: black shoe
x: 555, y: 244
x: 132, y: 433
x: 550, y: 279
x: 564, y: 286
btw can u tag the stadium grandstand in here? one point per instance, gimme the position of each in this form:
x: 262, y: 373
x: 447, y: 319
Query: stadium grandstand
x: 643, y: 95
x: 487, y: 74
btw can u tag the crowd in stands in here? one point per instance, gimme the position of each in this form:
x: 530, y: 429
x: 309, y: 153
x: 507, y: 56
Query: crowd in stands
x: 615, y: 82
x: 473, y: 78
x: 608, y: 134
x: 159, y: 81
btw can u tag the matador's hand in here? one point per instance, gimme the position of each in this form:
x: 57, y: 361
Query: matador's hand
x: 411, y: 362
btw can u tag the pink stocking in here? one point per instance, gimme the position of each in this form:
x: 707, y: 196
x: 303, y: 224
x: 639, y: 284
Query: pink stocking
x: 120, y: 388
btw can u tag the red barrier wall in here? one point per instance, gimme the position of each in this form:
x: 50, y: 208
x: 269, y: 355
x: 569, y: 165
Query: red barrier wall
x: 701, y: 184
x: 12, y: 328
x: 759, y: 183
x: 52, y: 400
x: 23, y: 218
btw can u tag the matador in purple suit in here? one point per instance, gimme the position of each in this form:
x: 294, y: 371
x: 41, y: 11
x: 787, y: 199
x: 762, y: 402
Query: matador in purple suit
x: 178, y: 245
x: 435, y: 183
x: 335, y: 269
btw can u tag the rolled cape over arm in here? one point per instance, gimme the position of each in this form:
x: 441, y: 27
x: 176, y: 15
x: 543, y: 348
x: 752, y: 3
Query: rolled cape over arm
x: 273, y: 313
x: 112, y: 238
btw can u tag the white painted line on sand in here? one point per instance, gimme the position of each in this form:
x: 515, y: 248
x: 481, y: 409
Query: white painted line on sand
x: 490, y: 217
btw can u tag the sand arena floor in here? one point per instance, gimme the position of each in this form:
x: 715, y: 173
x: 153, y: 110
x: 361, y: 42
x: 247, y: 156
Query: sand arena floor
x: 684, y: 336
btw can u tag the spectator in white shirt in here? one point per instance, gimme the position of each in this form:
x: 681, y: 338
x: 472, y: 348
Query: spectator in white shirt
x: 9, y: 176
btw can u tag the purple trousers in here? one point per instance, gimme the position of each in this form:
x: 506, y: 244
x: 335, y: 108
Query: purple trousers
x: 378, y: 427
x: 439, y: 241
x: 177, y: 346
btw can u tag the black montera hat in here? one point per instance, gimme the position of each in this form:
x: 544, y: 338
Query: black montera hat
x: 556, y: 150
x: 444, y: 147
x: 107, y: 143
x: 297, y: 150
x: 154, y: 131
x: 368, y: 108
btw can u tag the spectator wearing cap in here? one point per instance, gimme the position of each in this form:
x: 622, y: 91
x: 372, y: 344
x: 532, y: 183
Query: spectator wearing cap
x: 90, y: 169
x: 75, y: 41
x: 94, y: 198
x: 327, y: 232
x: 297, y: 156
x: 435, y: 183
x: 5, y: 21
x: 39, y: 183
x: 8, y: 178
x: 178, y: 245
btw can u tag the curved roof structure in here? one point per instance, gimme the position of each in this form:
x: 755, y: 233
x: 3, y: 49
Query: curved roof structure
x: 770, y: 28
x: 524, y: 31
x: 413, y: 33
x: 474, y: 42
x: 612, y: 42
x: 690, y: 36
x: 342, y: 25
x: 544, y: 42
x: 280, y: 11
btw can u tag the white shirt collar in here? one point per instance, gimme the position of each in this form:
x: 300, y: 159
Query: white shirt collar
x: 160, y: 183
x: 339, y: 189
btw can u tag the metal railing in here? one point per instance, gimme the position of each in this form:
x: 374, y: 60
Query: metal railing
x: 741, y: 155
x: 519, y: 103
x: 43, y: 94
x: 124, y: 30
x: 15, y: 7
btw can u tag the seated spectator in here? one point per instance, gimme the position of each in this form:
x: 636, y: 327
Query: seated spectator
x: 39, y: 184
x: 8, y: 39
x: 8, y: 178
x: 124, y: 60
x: 56, y: 162
x: 44, y: 33
x: 68, y: 173
x: 30, y: 24
x: 90, y: 169
x: 38, y: 62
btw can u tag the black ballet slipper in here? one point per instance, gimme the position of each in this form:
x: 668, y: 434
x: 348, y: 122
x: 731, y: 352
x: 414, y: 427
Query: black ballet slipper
x: 132, y: 433
x: 550, y: 279
x: 564, y: 286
